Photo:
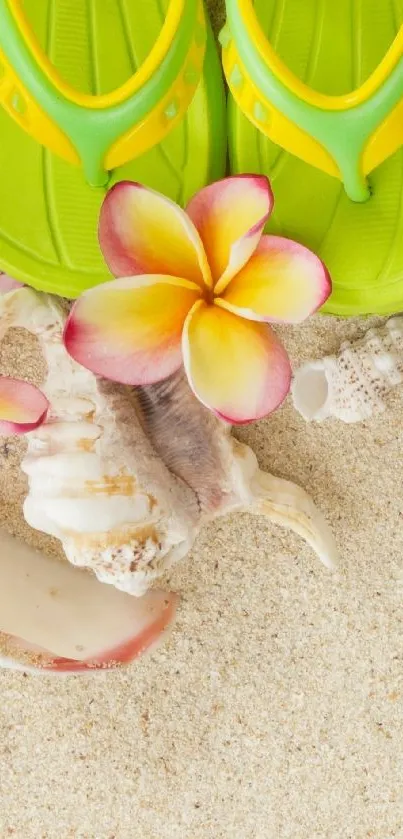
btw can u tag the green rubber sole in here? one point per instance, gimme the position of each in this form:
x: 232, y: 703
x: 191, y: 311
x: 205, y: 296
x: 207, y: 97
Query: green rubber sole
x: 333, y: 47
x: 48, y: 212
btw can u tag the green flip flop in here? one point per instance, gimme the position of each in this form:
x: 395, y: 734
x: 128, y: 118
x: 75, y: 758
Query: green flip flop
x: 94, y: 93
x: 317, y: 105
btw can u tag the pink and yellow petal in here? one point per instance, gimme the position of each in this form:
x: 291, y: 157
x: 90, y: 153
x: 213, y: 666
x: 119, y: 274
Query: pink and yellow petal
x: 129, y: 330
x: 230, y: 216
x: 282, y: 282
x: 143, y: 232
x: 23, y: 407
x: 237, y: 368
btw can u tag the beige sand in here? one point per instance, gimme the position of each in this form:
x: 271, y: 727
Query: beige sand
x: 275, y: 709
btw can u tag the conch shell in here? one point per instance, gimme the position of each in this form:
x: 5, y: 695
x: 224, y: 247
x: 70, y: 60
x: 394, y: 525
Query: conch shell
x: 125, y: 478
x: 352, y: 385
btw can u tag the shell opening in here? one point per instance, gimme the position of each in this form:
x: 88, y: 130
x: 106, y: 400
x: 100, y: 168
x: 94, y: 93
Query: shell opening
x: 310, y: 391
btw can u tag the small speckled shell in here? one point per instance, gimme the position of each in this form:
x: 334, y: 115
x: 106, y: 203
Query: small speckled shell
x: 352, y: 385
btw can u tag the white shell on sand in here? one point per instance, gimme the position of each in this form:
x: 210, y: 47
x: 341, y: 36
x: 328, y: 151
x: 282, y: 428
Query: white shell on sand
x: 56, y: 618
x: 352, y: 385
x: 126, y: 478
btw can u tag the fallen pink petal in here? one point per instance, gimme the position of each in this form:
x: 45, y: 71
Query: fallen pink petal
x: 23, y: 407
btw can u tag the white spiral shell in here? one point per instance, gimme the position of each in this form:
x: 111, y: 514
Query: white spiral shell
x: 352, y: 385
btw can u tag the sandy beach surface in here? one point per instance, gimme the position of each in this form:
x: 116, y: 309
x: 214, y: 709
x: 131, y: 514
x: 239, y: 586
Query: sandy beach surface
x: 274, y: 710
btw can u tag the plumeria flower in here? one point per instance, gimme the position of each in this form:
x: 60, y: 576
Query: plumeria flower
x: 200, y: 288
x: 23, y: 407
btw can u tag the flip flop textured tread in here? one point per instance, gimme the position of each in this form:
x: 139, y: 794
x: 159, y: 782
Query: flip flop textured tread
x: 333, y: 47
x: 48, y: 213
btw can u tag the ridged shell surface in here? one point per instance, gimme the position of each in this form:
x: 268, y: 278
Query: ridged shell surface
x: 353, y: 384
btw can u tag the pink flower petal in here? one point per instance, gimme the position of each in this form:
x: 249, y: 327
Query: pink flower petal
x: 143, y: 232
x: 130, y: 330
x: 23, y: 407
x: 8, y: 284
x: 230, y: 216
x: 237, y: 368
x: 282, y: 282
